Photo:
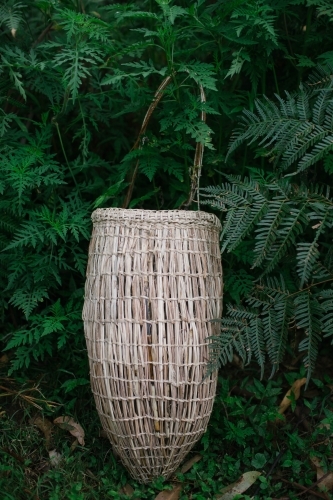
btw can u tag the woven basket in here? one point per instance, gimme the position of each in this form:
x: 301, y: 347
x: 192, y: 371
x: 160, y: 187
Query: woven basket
x: 154, y: 280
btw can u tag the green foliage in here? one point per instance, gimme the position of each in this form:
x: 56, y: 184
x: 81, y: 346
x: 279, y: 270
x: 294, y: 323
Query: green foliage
x: 66, y: 124
x: 242, y: 436
x: 287, y: 222
x: 287, y: 132
x: 76, y: 81
x: 72, y: 89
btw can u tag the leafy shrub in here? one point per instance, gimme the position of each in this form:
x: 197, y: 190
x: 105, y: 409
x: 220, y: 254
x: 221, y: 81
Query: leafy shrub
x: 67, y: 104
x: 76, y: 80
x: 284, y: 220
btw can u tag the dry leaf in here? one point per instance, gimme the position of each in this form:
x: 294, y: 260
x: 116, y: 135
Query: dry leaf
x: 127, y: 490
x: 55, y: 458
x: 91, y: 475
x: 296, y: 390
x: 74, y: 445
x: 45, y: 426
x: 242, y: 484
x: 173, y: 494
x: 73, y: 427
x: 187, y: 465
x: 316, y: 462
x: 327, y: 482
x: 4, y: 359
x: 237, y: 361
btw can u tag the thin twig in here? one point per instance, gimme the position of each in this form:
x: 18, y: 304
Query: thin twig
x: 196, y: 169
x: 310, y: 286
x: 275, y: 463
x: 314, y: 484
x: 304, y: 488
x: 12, y: 454
x: 131, y: 186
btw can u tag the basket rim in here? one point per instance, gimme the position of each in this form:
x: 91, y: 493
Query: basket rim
x: 162, y: 216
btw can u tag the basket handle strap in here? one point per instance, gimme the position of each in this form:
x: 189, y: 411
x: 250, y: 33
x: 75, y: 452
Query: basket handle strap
x: 195, y: 171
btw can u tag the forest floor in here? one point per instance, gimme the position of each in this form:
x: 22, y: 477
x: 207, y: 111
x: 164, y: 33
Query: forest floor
x: 272, y: 437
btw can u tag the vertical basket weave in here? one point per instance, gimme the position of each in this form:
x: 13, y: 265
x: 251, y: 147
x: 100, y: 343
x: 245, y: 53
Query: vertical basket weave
x: 154, y: 282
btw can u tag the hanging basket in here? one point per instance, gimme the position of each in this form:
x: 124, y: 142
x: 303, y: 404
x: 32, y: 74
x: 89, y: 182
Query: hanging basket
x: 154, y: 282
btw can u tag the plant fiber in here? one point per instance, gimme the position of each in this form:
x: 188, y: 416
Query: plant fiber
x: 154, y: 282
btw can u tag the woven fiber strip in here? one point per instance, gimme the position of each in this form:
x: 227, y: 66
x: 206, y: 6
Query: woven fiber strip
x: 154, y: 282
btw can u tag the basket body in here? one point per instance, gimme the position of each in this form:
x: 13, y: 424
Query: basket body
x: 154, y: 280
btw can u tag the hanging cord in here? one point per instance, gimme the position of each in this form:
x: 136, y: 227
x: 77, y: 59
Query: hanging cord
x: 195, y: 169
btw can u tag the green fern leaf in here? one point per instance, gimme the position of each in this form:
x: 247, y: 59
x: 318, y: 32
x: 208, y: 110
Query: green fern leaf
x: 238, y: 284
x: 76, y: 60
x: 308, y: 313
x: 327, y: 306
x: 320, y: 106
x: 283, y: 309
x: 201, y: 73
x: 287, y: 131
x: 27, y: 300
x: 267, y: 231
x: 322, y: 148
x: 307, y: 257
x: 239, y: 59
x: 11, y: 15
x: 291, y: 227
x: 5, y: 121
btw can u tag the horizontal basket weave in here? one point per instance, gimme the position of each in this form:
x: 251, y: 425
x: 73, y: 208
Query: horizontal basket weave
x: 154, y: 280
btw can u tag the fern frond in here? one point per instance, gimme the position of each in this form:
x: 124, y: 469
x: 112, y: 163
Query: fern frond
x: 296, y: 130
x: 5, y: 121
x: 75, y: 60
x: 201, y: 73
x: 267, y: 230
x: 270, y: 328
x: 11, y: 14
x: 234, y: 336
x: 238, y: 284
x: 257, y: 342
x: 307, y: 257
x: 221, y: 348
x: 15, y: 76
x: 320, y: 106
x: 327, y: 305
x: 291, y: 227
x: 27, y: 300
x: 303, y: 106
x: 283, y: 309
x: 242, y: 226
x: 295, y: 148
x: 321, y: 76
x: 322, y: 148
x: 28, y: 234
x: 308, y: 313
x: 74, y: 23
x: 328, y: 120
